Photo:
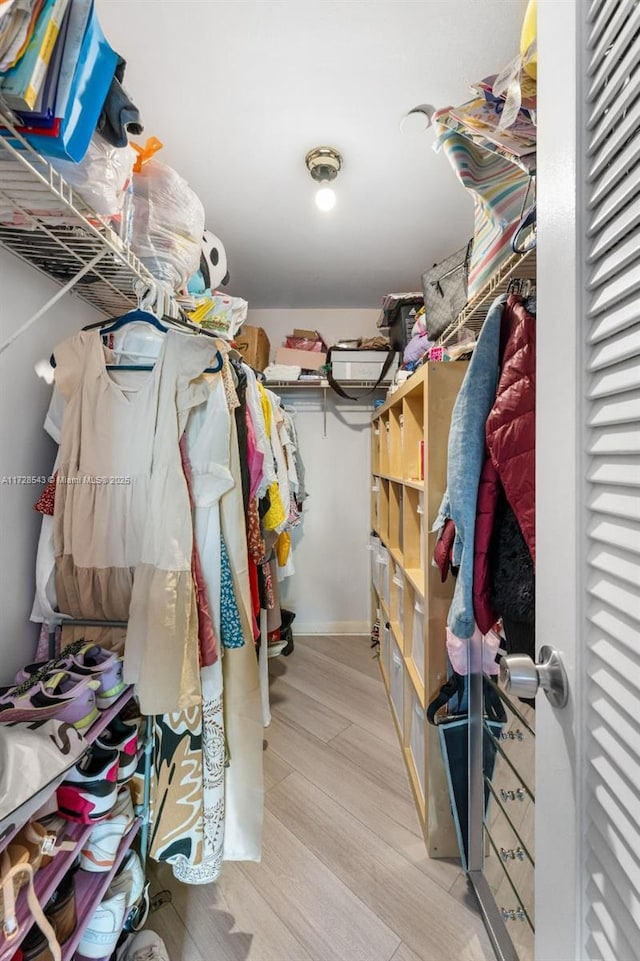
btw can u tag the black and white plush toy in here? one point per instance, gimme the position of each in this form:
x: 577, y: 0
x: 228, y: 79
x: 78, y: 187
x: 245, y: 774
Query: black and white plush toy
x: 213, y: 271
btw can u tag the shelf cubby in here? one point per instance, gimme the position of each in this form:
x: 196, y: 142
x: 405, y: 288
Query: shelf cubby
x: 375, y: 450
x: 383, y: 441
x: 413, y: 437
x: 395, y: 534
x: 395, y: 441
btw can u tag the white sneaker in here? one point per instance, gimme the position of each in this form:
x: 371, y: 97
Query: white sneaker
x: 144, y: 946
x: 101, y: 934
x: 130, y: 881
x: 101, y: 849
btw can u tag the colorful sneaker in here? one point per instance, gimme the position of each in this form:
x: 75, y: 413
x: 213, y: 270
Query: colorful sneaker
x: 84, y: 660
x: 105, y: 926
x: 89, y: 791
x: 99, y: 852
x: 61, y: 696
x: 122, y: 737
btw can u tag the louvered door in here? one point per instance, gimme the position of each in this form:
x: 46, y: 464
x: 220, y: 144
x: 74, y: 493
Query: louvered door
x: 588, y: 444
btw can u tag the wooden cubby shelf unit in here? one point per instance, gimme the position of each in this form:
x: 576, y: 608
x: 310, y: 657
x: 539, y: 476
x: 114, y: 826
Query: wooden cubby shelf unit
x: 409, y: 440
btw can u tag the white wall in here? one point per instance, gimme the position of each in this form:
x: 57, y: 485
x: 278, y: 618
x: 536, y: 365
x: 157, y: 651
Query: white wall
x: 25, y: 449
x: 330, y: 590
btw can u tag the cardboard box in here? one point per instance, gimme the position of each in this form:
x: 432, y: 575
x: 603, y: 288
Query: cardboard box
x: 253, y: 344
x: 306, y: 334
x: 361, y: 365
x: 307, y: 359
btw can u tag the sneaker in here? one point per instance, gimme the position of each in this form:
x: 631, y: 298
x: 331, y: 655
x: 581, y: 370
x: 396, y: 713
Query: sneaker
x: 121, y: 737
x: 101, y: 848
x: 89, y: 790
x: 130, y: 881
x: 84, y: 660
x: 61, y: 696
x: 105, y: 926
x: 144, y: 946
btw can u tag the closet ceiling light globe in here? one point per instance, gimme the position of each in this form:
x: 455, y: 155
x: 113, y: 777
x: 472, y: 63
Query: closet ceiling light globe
x: 325, y: 199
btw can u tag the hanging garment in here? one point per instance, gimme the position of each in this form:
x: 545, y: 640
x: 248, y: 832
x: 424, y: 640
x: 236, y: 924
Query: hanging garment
x: 257, y: 414
x: 464, y: 464
x: 208, y: 438
x: 176, y: 805
x: 244, y: 781
x: 511, y: 424
x: 275, y: 515
x: 121, y: 553
x: 510, y: 440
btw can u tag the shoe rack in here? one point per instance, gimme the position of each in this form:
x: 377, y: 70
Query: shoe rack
x: 409, y: 437
x: 90, y: 887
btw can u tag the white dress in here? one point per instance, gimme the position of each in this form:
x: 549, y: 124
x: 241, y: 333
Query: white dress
x: 122, y: 520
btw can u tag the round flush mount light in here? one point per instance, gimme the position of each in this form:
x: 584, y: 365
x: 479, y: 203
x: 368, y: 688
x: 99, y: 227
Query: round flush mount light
x: 324, y: 163
x: 418, y: 120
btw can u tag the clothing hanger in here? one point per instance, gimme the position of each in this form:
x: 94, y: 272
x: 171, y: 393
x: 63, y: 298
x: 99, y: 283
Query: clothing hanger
x: 143, y: 314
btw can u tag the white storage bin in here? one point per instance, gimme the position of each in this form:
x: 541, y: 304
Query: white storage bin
x: 418, y: 725
x: 396, y: 682
x: 361, y: 365
x: 399, y: 589
x: 417, y: 640
x: 386, y: 635
x: 374, y: 549
x: 385, y: 644
x: 385, y: 574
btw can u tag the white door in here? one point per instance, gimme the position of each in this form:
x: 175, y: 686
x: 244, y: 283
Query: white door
x: 588, y: 483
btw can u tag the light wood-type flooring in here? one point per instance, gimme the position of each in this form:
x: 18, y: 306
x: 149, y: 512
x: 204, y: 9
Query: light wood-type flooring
x: 344, y: 874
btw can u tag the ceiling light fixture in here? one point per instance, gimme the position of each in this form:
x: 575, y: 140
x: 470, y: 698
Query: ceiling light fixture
x: 323, y: 163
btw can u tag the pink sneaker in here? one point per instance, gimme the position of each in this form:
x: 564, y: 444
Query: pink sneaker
x: 121, y: 736
x: 89, y: 791
x: 84, y: 660
x: 62, y: 696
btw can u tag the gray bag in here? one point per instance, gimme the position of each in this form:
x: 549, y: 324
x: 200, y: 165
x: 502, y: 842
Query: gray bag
x: 445, y: 290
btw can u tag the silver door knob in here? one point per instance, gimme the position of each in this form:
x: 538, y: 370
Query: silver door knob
x: 522, y: 678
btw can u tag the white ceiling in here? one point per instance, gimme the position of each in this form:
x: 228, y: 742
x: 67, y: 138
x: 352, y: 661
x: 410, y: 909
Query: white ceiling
x: 240, y: 90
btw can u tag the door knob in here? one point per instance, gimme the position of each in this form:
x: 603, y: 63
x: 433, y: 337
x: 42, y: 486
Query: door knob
x: 521, y: 677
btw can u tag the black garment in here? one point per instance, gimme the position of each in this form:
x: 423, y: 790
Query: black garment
x: 119, y: 116
x: 241, y: 425
x: 513, y: 586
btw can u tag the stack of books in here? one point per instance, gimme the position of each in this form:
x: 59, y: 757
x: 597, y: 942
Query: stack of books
x: 36, y: 87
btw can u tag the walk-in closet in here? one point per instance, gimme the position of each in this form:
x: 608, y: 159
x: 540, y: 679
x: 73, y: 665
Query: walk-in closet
x: 319, y: 480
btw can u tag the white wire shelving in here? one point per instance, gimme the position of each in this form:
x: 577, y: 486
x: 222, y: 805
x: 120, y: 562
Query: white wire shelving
x: 521, y: 267
x: 47, y: 224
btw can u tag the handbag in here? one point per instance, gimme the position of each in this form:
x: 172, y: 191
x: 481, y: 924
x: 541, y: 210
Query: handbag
x: 453, y: 732
x: 444, y: 288
x: 34, y: 757
x: 14, y: 874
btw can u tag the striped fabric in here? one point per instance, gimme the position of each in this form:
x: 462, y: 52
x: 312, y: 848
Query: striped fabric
x: 499, y: 190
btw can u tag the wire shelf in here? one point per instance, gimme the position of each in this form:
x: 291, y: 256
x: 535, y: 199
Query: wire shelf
x: 45, y: 223
x: 323, y: 384
x: 472, y: 316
